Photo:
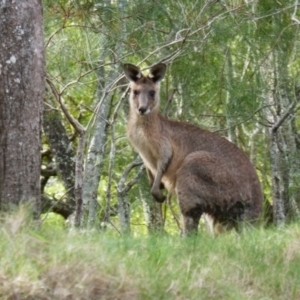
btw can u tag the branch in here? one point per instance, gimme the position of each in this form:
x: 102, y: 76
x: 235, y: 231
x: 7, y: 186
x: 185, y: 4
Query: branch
x: 85, y: 74
x: 52, y: 35
x: 121, y: 187
x: 49, y: 171
x: 131, y: 183
x: 76, y: 125
x: 168, y: 103
x: 283, y: 117
x: 271, y: 50
x: 243, y: 121
x: 175, y: 216
x: 79, y: 156
x: 56, y: 206
x: 294, y: 13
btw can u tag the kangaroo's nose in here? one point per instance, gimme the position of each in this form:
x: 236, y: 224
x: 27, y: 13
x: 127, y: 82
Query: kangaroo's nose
x: 142, y: 110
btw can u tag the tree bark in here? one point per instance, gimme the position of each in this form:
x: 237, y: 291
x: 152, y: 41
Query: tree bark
x: 62, y: 151
x: 283, y: 147
x: 94, y: 162
x: 122, y: 191
x: 229, y: 101
x: 21, y: 95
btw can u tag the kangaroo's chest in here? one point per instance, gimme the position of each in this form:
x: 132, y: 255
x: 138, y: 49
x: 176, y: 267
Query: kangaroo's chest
x: 147, y: 145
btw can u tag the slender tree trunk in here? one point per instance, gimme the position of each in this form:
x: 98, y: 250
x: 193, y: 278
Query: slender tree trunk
x: 98, y: 139
x: 153, y: 213
x: 278, y: 184
x: 94, y: 160
x: 21, y: 97
x: 283, y: 146
x: 229, y: 98
x: 124, y: 212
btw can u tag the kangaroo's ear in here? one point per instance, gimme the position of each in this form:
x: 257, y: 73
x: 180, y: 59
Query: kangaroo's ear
x: 132, y: 72
x: 158, y: 72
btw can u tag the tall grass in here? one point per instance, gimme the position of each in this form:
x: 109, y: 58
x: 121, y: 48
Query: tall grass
x: 52, y: 263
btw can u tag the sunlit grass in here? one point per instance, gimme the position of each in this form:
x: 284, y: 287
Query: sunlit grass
x: 55, y: 263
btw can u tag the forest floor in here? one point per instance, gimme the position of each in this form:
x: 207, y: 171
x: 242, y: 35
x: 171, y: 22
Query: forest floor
x: 55, y: 263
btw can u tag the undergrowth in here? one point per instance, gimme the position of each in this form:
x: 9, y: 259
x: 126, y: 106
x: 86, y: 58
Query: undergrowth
x: 53, y: 263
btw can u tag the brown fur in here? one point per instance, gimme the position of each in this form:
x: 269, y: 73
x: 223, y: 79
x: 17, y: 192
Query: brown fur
x: 206, y: 172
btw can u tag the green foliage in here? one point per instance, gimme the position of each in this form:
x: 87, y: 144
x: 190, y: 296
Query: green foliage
x: 55, y: 264
x: 220, y: 57
x: 53, y: 220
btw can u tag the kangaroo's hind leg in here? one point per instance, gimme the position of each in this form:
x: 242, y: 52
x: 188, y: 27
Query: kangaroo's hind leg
x: 189, y: 202
x: 191, y: 208
x: 191, y: 211
x: 203, y: 185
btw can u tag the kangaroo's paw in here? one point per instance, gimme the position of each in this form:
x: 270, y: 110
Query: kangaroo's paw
x: 158, y: 195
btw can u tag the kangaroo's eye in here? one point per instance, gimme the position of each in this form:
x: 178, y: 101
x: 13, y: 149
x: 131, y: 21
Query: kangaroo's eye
x: 135, y: 92
x: 152, y: 93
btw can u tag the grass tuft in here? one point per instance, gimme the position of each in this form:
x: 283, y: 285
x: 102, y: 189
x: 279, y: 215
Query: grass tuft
x: 53, y: 263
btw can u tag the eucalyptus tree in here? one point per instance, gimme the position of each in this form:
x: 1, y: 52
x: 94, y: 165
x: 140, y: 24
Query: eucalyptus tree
x: 21, y: 96
x: 281, y: 29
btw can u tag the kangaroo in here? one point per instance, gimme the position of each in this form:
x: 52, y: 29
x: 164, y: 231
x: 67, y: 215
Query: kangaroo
x: 206, y: 172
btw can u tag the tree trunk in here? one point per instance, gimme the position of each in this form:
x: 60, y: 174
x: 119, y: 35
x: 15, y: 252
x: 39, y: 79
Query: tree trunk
x: 229, y: 101
x: 62, y: 151
x: 21, y: 95
x: 283, y: 148
x: 124, y: 212
x: 94, y: 161
x: 122, y: 191
x: 153, y: 213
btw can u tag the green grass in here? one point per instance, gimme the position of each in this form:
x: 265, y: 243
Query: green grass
x: 52, y: 263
